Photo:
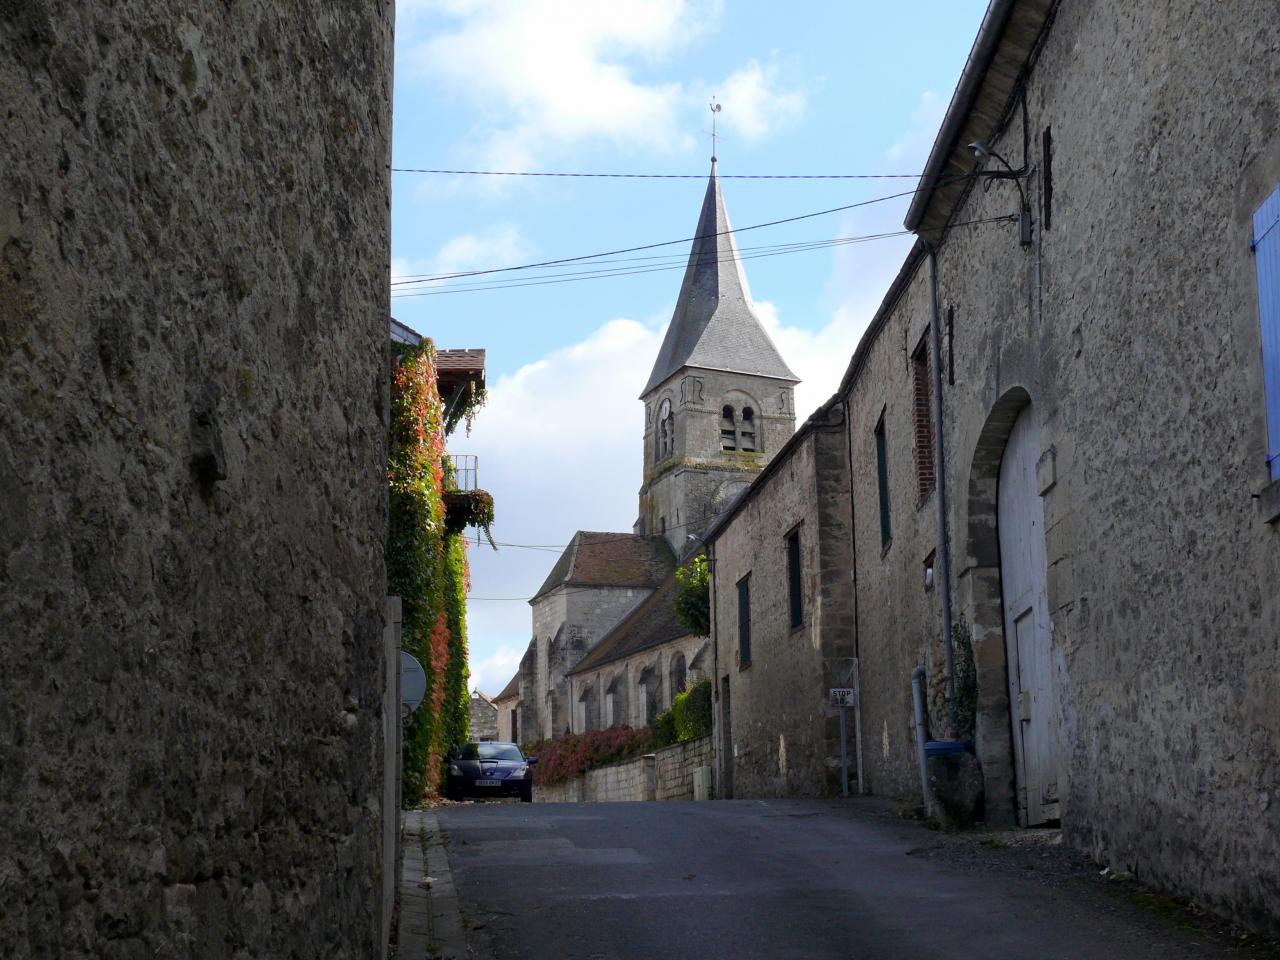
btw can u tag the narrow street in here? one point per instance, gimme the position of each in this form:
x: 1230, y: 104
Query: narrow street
x: 782, y: 878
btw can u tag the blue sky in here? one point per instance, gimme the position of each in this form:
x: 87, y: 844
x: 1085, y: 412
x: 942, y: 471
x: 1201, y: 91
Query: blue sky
x: 560, y: 85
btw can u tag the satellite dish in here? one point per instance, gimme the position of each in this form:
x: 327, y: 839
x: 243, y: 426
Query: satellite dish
x: 413, y: 681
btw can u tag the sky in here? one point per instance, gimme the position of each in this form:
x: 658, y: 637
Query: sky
x: 813, y: 87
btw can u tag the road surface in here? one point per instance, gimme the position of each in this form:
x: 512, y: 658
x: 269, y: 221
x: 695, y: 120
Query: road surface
x: 788, y: 879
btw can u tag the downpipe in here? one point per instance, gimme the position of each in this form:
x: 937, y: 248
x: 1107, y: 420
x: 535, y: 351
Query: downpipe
x: 940, y: 468
x: 917, y: 700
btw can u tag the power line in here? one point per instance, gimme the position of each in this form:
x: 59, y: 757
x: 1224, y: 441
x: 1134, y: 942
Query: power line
x: 664, y: 176
x: 515, y: 282
x: 669, y: 243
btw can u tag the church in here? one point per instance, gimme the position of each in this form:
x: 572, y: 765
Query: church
x: 607, y: 648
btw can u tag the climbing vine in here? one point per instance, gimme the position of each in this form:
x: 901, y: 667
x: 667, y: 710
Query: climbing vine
x: 426, y: 568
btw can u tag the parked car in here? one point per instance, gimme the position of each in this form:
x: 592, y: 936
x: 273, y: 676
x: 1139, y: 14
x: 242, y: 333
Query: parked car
x: 490, y: 769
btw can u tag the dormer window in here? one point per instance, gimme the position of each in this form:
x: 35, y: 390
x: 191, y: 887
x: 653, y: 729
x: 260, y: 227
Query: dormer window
x: 728, y: 429
x: 747, y: 431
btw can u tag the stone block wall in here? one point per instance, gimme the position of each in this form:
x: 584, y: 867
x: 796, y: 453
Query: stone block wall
x: 194, y: 243
x: 665, y: 774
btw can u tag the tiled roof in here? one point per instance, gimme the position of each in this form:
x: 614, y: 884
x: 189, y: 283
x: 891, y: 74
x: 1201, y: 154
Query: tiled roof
x: 651, y: 624
x: 466, y: 360
x: 610, y: 560
x: 511, y: 690
x: 714, y: 325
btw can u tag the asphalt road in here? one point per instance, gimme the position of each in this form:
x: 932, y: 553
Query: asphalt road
x: 785, y: 879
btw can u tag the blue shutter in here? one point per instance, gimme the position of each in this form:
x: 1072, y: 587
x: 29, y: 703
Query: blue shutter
x: 1266, y: 250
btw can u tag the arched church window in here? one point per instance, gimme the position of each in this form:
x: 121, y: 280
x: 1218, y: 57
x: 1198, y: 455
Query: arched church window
x: 747, y: 434
x: 678, y: 674
x: 666, y: 431
x: 728, y: 429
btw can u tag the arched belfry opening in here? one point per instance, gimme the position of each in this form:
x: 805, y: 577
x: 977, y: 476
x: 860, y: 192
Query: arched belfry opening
x: 1003, y: 598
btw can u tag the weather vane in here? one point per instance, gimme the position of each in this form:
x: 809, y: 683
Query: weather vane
x: 715, y: 108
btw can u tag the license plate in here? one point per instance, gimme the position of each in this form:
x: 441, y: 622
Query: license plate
x: 488, y: 783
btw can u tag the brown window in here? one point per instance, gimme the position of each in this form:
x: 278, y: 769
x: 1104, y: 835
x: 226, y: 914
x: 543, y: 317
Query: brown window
x: 922, y: 419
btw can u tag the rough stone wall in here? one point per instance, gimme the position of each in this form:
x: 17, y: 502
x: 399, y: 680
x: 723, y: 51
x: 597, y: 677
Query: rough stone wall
x: 194, y: 229
x: 1130, y: 326
x: 783, y: 741
x: 694, y: 484
x: 483, y: 715
x: 629, y: 702
x: 900, y: 620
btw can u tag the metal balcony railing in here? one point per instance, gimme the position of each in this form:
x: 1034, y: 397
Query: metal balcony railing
x: 460, y: 472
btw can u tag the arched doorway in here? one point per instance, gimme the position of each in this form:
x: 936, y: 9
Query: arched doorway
x: 1025, y: 614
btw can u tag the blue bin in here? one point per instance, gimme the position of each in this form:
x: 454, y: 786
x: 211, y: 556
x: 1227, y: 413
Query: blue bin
x: 945, y: 748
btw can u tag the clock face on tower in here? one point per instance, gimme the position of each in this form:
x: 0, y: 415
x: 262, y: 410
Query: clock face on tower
x: 664, y: 410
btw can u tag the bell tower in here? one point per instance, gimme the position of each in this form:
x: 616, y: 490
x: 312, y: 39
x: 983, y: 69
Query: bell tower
x: 719, y: 401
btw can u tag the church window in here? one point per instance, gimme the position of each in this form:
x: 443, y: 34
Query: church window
x: 747, y: 433
x: 678, y: 674
x: 728, y: 429
x: 666, y: 431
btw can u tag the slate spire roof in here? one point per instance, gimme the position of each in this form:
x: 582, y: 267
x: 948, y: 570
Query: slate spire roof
x: 714, y: 326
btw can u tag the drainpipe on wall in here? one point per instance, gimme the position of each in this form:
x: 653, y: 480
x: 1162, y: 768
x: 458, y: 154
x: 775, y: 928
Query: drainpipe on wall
x: 940, y: 466
x: 853, y: 577
x: 917, y: 701
x: 717, y: 726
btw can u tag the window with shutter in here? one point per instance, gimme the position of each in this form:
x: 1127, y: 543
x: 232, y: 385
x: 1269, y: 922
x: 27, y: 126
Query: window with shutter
x: 882, y: 478
x: 1266, y: 251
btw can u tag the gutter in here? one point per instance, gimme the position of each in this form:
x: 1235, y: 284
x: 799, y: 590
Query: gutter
x: 975, y: 68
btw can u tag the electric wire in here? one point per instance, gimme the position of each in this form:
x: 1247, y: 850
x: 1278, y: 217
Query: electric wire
x: 671, y: 243
x: 663, y: 176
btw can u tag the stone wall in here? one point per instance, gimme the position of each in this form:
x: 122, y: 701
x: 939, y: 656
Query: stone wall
x: 194, y: 229
x: 1129, y: 330
x: 665, y: 774
x: 781, y: 738
x: 483, y: 714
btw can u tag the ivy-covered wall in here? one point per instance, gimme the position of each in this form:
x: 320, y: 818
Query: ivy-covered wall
x: 426, y: 568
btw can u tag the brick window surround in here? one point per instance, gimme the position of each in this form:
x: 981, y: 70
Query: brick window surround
x: 922, y: 420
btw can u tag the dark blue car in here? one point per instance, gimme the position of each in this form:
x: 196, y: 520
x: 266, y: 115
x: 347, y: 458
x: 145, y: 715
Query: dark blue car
x: 490, y: 769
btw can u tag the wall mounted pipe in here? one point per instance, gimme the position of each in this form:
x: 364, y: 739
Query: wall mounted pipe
x: 917, y: 701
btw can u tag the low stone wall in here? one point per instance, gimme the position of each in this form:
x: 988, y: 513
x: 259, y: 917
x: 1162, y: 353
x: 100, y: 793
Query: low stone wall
x: 666, y: 774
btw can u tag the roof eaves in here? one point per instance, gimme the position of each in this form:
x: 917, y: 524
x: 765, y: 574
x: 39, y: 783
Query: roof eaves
x: 1006, y: 39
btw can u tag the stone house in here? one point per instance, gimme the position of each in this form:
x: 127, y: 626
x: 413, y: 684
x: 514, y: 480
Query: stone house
x: 718, y: 406
x: 638, y: 667
x: 1104, y: 350
x: 782, y: 617
x: 508, y: 706
x: 194, y: 232
x: 483, y: 714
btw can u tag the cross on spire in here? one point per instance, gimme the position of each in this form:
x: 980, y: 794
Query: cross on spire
x: 715, y: 108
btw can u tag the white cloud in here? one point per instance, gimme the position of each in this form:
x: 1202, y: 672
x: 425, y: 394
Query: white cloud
x: 753, y: 106
x: 912, y: 148
x: 499, y: 246
x: 491, y: 673
x: 546, y: 72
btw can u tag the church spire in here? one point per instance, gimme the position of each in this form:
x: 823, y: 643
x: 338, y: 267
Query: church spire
x: 714, y: 326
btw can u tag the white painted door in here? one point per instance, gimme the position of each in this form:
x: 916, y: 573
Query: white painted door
x: 1023, y: 578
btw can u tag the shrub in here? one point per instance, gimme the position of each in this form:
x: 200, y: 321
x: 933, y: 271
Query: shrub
x: 693, y: 598
x: 575, y: 753
x: 664, y: 729
x: 691, y: 711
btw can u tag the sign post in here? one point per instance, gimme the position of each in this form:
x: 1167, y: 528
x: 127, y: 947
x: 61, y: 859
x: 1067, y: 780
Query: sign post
x: 841, y: 697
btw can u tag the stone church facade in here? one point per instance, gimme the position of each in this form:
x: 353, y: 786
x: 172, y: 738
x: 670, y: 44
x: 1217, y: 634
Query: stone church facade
x: 1102, y: 512
x: 717, y: 406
